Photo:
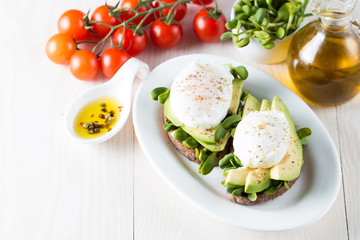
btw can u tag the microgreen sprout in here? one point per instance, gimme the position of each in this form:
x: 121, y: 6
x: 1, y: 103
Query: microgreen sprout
x: 265, y: 20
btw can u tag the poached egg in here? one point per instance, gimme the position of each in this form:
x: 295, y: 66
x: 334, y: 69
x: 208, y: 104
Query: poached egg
x: 262, y: 139
x: 201, y: 94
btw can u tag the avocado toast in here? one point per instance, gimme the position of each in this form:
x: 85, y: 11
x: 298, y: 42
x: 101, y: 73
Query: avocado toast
x: 249, y: 185
x: 202, y: 142
x: 275, y: 156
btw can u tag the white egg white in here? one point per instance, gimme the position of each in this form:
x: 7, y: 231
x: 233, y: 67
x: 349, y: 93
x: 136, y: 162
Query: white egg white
x: 262, y: 139
x: 201, y: 94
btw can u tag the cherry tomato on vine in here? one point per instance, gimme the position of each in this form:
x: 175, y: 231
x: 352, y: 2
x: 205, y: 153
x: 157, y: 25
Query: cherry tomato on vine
x: 71, y: 23
x: 205, y: 2
x: 101, y: 14
x: 165, y: 36
x: 134, y: 45
x: 84, y: 65
x: 180, y: 10
x: 111, y: 60
x: 132, y: 4
x: 60, y: 48
x: 208, y: 29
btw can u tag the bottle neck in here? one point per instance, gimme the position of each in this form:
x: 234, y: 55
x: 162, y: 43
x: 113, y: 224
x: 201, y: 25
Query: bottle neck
x: 335, y: 21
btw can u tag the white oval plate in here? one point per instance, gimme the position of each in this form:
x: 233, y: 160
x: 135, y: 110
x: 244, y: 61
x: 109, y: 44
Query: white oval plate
x: 308, y: 200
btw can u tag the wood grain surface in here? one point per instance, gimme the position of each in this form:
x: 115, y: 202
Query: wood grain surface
x: 52, y: 187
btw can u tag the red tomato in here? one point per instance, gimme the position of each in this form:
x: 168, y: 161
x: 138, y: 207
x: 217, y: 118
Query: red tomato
x: 60, y: 48
x: 165, y: 36
x: 132, y: 4
x: 111, y: 60
x: 101, y: 14
x: 134, y: 45
x: 208, y: 29
x: 84, y: 65
x: 180, y: 10
x: 205, y: 2
x: 71, y: 23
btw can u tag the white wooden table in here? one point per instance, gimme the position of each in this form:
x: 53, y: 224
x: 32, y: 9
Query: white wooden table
x: 52, y: 187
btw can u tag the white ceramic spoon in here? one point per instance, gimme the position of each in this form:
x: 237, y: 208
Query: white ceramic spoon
x: 119, y: 88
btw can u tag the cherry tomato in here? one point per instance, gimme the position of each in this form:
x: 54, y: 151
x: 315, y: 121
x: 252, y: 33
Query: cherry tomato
x: 101, y: 14
x: 84, y: 65
x: 132, y: 4
x: 134, y: 45
x: 208, y: 29
x: 60, y: 48
x: 111, y: 60
x: 205, y: 2
x: 180, y: 10
x: 165, y: 36
x: 71, y: 23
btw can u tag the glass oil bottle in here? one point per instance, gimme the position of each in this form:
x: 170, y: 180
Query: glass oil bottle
x: 324, y: 56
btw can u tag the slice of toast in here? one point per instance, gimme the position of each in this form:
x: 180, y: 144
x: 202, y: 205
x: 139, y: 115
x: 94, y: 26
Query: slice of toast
x: 261, y: 197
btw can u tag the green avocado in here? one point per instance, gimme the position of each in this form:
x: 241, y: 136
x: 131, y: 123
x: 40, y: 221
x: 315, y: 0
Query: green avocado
x: 265, y: 105
x: 237, y: 177
x: 290, y: 166
x: 251, y: 105
x: 168, y: 112
x: 215, y: 147
x: 257, y: 180
x: 237, y: 84
x: 206, y: 136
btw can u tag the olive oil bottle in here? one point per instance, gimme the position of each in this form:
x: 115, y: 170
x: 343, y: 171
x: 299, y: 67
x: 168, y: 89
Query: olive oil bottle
x: 324, y: 56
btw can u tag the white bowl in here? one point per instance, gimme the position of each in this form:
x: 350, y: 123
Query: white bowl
x: 255, y: 52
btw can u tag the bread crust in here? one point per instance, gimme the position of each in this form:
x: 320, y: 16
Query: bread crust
x: 261, y: 197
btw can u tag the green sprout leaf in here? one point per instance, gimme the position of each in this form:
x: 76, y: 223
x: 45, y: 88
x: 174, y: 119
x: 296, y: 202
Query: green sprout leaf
x: 259, y: 15
x: 242, y: 72
x: 243, y: 42
x: 226, y: 35
x: 266, y: 20
x: 155, y: 93
x: 220, y: 133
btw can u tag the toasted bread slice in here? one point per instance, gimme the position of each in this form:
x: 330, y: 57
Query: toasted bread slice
x: 261, y: 197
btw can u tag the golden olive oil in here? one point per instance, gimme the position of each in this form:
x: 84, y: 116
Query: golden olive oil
x: 97, y: 118
x: 324, y: 62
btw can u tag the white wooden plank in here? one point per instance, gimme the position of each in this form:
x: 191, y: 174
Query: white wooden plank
x: 349, y: 128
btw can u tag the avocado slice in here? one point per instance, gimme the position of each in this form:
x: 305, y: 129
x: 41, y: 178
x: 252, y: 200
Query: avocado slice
x: 257, y: 180
x: 251, y: 105
x: 237, y: 84
x: 237, y: 177
x: 290, y: 166
x: 215, y: 147
x: 206, y: 136
x: 265, y: 105
x: 168, y: 112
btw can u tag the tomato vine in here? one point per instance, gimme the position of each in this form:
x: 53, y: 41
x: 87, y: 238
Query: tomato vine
x: 154, y: 8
